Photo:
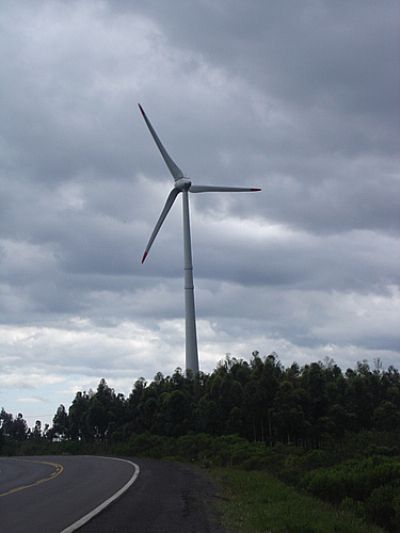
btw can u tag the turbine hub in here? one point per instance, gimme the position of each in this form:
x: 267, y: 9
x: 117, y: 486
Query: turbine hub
x: 183, y: 184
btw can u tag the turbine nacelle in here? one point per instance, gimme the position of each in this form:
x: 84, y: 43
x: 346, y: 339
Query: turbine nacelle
x: 183, y: 184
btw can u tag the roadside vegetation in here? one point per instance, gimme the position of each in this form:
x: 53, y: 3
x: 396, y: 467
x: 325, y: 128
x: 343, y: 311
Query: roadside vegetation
x: 306, y: 449
x: 256, y: 502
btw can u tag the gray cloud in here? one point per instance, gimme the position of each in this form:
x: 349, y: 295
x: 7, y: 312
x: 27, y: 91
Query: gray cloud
x: 300, y: 99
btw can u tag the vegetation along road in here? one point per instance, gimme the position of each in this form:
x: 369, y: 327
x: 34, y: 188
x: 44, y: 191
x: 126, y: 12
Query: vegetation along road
x: 49, y: 494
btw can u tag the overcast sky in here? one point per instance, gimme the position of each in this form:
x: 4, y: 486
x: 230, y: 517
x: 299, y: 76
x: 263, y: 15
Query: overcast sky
x: 298, y: 98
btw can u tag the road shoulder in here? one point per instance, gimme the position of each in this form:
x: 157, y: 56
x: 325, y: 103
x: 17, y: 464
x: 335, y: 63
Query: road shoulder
x: 167, y: 497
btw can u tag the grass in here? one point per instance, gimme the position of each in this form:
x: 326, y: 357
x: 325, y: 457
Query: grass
x: 255, y: 502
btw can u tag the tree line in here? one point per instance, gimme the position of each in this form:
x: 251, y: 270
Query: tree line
x: 259, y: 400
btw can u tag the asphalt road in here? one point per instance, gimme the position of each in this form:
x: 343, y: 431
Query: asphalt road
x: 49, y: 494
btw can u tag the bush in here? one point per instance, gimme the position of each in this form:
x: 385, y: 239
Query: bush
x: 193, y: 447
x: 383, y: 507
x: 353, y: 479
x: 319, y: 458
x: 351, y: 506
x: 150, y: 445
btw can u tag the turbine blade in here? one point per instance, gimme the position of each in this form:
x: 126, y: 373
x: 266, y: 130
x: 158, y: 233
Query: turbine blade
x: 168, y: 204
x: 216, y: 188
x: 173, y: 167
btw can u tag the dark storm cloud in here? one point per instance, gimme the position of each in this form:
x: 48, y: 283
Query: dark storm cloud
x: 302, y: 52
x: 330, y: 70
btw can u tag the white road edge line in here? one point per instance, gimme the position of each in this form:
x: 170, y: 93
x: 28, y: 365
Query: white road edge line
x: 79, y: 523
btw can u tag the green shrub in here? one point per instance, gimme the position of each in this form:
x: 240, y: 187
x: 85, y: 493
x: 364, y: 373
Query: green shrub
x: 257, y: 502
x: 329, y: 486
x: 256, y: 462
x: 319, y: 458
x: 353, y: 479
x: 193, y: 446
x: 383, y: 507
x: 352, y: 506
x: 149, y: 445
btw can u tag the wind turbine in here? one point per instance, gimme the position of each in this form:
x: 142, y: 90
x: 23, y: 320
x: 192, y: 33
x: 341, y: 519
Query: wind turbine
x: 184, y: 185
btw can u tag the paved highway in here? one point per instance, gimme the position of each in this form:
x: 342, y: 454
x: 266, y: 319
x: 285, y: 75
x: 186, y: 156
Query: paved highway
x: 52, y: 494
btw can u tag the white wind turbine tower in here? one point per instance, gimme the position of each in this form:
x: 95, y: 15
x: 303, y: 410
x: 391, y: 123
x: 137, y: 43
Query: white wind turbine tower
x: 184, y: 185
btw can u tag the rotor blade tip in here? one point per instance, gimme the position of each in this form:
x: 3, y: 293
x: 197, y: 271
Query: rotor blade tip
x: 144, y: 257
x: 255, y: 190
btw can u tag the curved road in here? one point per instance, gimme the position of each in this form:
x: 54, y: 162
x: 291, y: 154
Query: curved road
x: 50, y: 494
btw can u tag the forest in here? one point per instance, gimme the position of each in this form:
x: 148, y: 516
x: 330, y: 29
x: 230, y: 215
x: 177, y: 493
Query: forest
x: 332, y: 433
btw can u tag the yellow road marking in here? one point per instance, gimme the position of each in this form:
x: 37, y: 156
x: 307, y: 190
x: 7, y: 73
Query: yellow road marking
x: 58, y: 470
